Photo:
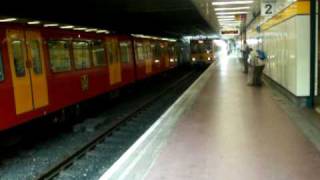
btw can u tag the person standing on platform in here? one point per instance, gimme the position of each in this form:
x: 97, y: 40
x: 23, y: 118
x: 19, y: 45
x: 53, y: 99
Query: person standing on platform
x: 245, y: 55
x: 256, y: 66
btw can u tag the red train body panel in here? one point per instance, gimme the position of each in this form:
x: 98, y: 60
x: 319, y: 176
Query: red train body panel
x: 97, y: 64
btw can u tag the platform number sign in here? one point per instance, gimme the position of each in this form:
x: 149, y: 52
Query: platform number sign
x: 268, y: 7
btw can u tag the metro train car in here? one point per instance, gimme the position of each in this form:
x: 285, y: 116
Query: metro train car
x: 202, y: 51
x: 49, y: 71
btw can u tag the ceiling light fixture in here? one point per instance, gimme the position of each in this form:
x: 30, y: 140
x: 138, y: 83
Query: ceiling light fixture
x: 227, y: 19
x: 91, y: 30
x: 231, y: 3
x: 80, y: 29
x: 103, y: 31
x: 8, y: 20
x: 234, y: 21
x: 33, y: 22
x: 224, y: 17
x: 230, y: 13
x: 232, y: 8
x: 51, y: 25
x: 67, y: 27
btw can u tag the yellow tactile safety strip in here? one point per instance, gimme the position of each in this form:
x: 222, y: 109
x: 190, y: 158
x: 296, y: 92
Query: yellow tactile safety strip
x: 301, y: 7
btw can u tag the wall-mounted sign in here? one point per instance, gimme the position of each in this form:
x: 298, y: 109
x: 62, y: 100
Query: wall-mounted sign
x: 268, y: 7
x: 230, y: 32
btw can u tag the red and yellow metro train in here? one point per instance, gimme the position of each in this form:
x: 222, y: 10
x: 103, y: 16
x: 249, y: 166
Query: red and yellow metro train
x: 46, y: 69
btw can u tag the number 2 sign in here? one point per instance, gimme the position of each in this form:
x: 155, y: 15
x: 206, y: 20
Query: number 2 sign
x: 268, y: 7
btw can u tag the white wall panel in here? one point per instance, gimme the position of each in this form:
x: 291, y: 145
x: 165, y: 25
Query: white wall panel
x: 287, y: 46
x: 303, y: 55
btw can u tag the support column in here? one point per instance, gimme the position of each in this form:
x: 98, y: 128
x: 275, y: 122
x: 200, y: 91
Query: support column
x: 313, y: 18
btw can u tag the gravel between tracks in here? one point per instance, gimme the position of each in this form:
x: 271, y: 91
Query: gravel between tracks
x: 29, y: 162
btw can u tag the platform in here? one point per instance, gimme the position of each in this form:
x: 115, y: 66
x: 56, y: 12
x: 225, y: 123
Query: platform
x: 223, y: 129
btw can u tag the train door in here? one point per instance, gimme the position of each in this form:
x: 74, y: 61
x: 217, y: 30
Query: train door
x: 165, y: 55
x: 114, y: 61
x: 127, y: 66
x: 27, y: 69
x: 148, y: 57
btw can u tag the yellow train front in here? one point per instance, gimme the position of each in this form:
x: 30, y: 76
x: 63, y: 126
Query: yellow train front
x: 202, y: 52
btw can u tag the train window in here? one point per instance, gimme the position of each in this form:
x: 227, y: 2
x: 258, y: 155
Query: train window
x: 1, y: 68
x: 112, y: 51
x: 125, y: 52
x: 18, y: 56
x: 59, y: 56
x: 36, y: 56
x: 98, y: 54
x: 157, y: 51
x: 81, y: 54
x: 140, y: 52
x: 147, y: 51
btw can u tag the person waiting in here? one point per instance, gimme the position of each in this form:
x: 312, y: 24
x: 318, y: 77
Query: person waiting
x: 257, y: 62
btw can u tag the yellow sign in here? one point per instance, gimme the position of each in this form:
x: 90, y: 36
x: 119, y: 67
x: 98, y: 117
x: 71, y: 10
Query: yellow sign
x: 297, y: 8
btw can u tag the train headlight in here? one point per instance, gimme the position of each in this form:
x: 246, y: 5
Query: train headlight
x: 171, y: 60
x: 209, y: 58
x: 193, y: 59
x: 156, y: 61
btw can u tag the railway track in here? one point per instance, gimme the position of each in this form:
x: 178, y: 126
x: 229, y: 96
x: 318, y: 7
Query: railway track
x: 94, y: 157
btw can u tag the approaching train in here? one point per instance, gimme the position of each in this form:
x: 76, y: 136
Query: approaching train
x: 202, y: 51
x: 46, y: 69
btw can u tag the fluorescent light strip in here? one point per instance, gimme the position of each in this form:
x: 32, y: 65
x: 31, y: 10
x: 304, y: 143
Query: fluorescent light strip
x: 8, y: 20
x: 103, y: 31
x: 230, y: 13
x: 233, y: 25
x: 231, y: 3
x: 91, y: 30
x: 33, y: 22
x: 51, y: 25
x: 224, y: 17
x: 232, y: 8
x: 224, y: 22
x: 67, y: 27
x: 80, y: 29
x: 230, y: 23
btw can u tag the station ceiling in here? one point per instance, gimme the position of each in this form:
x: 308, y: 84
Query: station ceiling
x: 152, y: 17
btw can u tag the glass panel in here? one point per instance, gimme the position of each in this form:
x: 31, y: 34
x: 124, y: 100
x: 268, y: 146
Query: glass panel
x: 157, y: 51
x: 125, y: 52
x: 36, y: 57
x: 98, y: 54
x: 18, y: 57
x: 59, y: 56
x: 1, y: 68
x: 110, y: 52
x: 81, y: 55
x: 140, y: 52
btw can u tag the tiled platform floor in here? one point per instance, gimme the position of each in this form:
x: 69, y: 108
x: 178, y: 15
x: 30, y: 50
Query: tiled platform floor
x: 222, y: 129
x: 236, y: 132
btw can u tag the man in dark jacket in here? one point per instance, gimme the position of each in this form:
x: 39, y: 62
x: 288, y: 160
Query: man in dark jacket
x: 245, y: 55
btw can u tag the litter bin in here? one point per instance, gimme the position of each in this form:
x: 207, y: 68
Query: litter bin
x: 255, y: 75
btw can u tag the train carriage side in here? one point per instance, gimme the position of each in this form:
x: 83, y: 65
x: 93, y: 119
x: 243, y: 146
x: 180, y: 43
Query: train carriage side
x: 77, y: 68
x: 165, y: 59
x: 8, y: 114
x: 46, y: 70
x: 127, y: 59
x: 23, y: 83
x: 173, y: 54
x: 143, y: 60
x: 156, y: 56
